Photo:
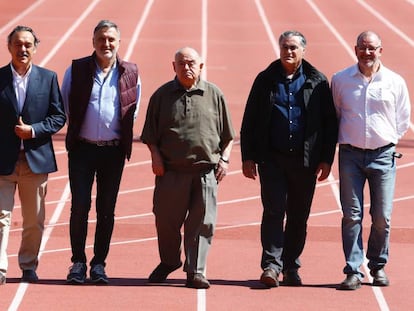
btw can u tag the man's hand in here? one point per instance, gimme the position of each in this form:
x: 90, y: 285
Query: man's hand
x: 23, y: 131
x: 221, y: 170
x: 157, y: 164
x: 249, y: 169
x: 323, y: 171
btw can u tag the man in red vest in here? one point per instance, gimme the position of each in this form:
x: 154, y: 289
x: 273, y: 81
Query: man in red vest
x: 101, y: 94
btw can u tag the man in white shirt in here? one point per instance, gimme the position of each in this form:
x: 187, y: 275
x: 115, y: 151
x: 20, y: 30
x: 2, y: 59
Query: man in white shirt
x: 373, y: 108
x: 31, y: 112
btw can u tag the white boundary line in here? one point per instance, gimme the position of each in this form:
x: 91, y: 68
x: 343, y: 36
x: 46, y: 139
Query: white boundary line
x: 267, y: 27
x: 46, y: 235
x: 386, y: 22
x: 138, y: 29
x: 201, y: 293
x: 19, y: 17
x: 390, y: 25
x: 204, y: 36
x: 69, y: 32
x: 58, y: 210
x: 341, y: 40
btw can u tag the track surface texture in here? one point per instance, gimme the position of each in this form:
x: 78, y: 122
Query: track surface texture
x: 237, y: 39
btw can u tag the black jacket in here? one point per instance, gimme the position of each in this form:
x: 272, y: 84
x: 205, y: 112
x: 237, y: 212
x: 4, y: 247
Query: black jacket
x: 321, y: 129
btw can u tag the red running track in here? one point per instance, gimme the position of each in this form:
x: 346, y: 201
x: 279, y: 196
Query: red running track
x: 237, y: 39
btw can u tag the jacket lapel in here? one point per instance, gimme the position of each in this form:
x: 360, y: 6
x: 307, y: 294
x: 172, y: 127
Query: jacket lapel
x: 31, y: 87
x: 9, y: 90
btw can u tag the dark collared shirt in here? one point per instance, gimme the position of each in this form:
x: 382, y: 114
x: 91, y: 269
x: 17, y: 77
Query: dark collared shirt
x: 288, y: 119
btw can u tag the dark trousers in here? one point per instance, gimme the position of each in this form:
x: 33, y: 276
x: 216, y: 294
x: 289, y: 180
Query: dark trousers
x: 287, y: 189
x: 85, y: 162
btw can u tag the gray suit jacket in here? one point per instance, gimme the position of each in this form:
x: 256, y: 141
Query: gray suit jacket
x: 43, y: 110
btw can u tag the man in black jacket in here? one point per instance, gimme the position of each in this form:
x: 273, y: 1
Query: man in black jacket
x: 289, y: 131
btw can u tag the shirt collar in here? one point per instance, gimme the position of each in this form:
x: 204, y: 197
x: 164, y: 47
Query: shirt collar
x: 299, y: 71
x: 200, y: 85
x: 16, y: 74
x: 355, y: 70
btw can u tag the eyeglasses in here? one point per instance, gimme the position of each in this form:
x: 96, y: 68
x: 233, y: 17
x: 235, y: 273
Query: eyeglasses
x: 370, y: 49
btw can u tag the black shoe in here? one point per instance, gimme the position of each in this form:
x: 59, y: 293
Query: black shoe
x: 351, y: 282
x: 29, y: 276
x: 98, y: 275
x: 2, y: 278
x: 269, y: 278
x: 380, y: 278
x: 161, y: 272
x: 77, y: 273
x: 291, y: 278
x: 197, y: 280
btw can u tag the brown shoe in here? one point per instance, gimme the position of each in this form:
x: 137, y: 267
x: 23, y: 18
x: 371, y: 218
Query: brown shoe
x: 351, y: 282
x: 380, y: 278
x: 197, y: 280
x: 269, y: 278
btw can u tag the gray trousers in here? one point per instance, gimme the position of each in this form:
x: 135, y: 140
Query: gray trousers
x: 188, y: 199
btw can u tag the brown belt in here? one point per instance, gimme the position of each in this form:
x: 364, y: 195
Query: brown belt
x: 102, y: 143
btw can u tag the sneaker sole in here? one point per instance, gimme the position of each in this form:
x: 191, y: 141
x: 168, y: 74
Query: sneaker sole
x: 269, y: 282
x: 75, y: 281
x: 381, y: 283
x: 197, y: 286
x: 100, y: 281
x: 344, y: 287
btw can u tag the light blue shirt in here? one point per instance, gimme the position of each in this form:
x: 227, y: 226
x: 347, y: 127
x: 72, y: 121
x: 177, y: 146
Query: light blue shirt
x: 103, y: 116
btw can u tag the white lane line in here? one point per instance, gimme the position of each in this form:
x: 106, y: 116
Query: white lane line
x: 138, y: 29
x: 19, y: 17
x: 201, y: 293
x: 268, y: 29
x: 204, y: 36
x: 18, y: 297
x: 390, y: 25
x: 386, y: 22
x: 69, y: 32
x: 328, y: 24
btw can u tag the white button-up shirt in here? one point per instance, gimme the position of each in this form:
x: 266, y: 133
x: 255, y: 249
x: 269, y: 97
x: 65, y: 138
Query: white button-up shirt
x: 20, y: 86
x: 372, y: 113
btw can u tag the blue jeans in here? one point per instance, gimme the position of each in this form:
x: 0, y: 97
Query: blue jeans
x: 356, y: 166
x: 287, y: 189
x: 86, y: 162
